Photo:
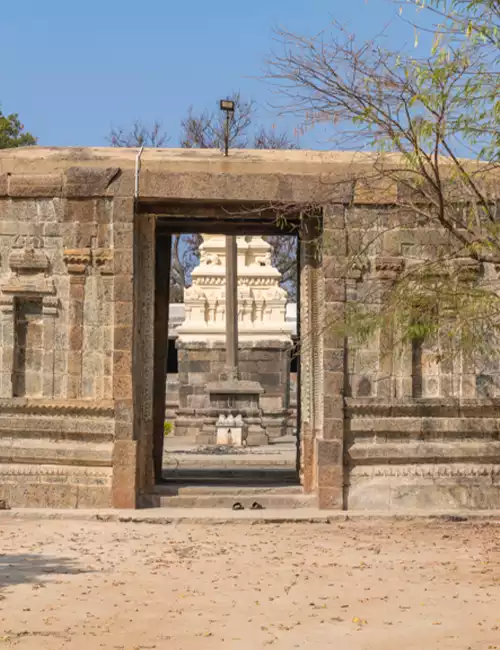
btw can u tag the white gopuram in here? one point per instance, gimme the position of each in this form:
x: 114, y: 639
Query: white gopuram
x: 261, y: 300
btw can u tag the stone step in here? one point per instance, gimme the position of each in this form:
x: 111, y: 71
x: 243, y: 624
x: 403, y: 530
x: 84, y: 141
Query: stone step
x: 195, y: 461
x: 233, y: 476
x: 217, y: 500
x: 181, y: 489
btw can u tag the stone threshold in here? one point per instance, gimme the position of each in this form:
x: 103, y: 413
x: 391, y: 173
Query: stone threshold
x: 221, y: 516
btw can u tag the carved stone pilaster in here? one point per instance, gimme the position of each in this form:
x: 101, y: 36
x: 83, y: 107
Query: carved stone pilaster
x: 77, y: 262
x: 386, y: 271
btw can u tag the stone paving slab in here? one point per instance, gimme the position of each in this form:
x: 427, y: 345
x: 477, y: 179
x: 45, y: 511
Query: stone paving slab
x: 177, y: 454
x: 220, y: 516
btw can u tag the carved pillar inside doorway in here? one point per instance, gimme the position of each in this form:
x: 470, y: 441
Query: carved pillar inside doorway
x: 311, y: 352
x: 163, y: 254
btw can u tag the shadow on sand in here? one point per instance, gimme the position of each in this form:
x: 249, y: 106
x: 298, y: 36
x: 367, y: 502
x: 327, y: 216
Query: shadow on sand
x: 31, y: 569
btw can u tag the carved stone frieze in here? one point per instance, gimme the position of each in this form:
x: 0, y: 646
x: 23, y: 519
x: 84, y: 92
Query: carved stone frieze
x: 77, y: 260
x: 434, y: 470
x: 104, y: 260
x: 32, y: 285
x: 28, y: 256
x: 57, y: 407
x: 48, y: 474
x: 29, y: 265
x: 388, y: 268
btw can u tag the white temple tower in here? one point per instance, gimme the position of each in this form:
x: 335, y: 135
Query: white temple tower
x: 261, y: 300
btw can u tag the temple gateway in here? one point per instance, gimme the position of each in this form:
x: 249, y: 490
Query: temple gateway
x: 85, y: 242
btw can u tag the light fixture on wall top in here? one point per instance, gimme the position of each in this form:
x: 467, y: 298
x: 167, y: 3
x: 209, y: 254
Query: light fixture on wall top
x: 227, y: 105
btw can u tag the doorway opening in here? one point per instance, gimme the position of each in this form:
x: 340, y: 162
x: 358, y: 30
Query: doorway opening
x: 208, y: 443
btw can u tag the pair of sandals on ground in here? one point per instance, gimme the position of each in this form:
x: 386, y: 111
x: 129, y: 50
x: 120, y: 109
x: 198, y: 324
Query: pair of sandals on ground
x: 255, y: 506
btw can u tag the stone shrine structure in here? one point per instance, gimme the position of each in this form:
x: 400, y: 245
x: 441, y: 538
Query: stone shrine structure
x: 264, y: 338
x: 85, y: 238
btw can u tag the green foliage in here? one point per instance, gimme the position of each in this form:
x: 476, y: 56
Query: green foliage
x: 12, y: 133
x: 168, y: 427
x: 432, y: 107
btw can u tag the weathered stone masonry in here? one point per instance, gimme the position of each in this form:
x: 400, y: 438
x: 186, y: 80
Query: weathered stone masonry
x: 77, y: 326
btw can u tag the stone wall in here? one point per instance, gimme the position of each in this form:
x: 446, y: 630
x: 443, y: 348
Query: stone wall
x: 380, y: 427
x: 57, y: 288
x: 203, y: 363
x: 412, y: 432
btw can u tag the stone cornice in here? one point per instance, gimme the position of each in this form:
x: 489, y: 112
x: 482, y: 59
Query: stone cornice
x: 424, y: 407
x: 57, y: 407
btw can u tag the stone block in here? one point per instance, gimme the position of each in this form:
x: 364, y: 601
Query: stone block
x: 124, y: 287
x: 329, y: 453
x: 333, y: 383
x: 35, y: 185
x: 122, y: 386
x: 122, y: 337
x: 124, y: 313
x: 76, y: 337
x: 125, y: 472
x: 123, y: 235
x: 123, y: 261
x: 330, y: 498
x: 333, y: 429
x: 334, y: 360
x: 196, y: 366
x: 87, y: 182
x: 123, y: 210
x: 79, y: 212
x: 270, y: 380
x: 330, y: 476
x: 104, y: 214
x: 124, y: 411
x: 334, y: 216
x: 4, y: 185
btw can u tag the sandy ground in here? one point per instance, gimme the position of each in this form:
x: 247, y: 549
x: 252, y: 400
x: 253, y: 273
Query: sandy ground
x: 353, y: 585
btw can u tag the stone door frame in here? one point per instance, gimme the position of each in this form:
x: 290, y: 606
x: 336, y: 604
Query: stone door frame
x: 154, y: 221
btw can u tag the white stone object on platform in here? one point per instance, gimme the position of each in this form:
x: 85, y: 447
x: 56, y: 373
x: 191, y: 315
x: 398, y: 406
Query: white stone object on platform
x: 230, y: 431
x: 261, y: 300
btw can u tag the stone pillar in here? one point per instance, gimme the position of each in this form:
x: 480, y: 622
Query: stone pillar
x: 163, y: 253
x: 330, y: 437
x: 77, y: 262
x: 231, y: 308
x: 125, y: 454
x: 144, y: 348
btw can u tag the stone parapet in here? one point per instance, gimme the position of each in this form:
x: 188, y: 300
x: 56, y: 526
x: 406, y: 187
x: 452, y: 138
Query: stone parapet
x: 56, y: 453
x: 428, y: 454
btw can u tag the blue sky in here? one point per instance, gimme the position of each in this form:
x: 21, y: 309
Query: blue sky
x: 71, y: 69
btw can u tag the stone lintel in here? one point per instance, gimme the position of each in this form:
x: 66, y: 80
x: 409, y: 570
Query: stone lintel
x: 238, y: 387
x: 242, y: 345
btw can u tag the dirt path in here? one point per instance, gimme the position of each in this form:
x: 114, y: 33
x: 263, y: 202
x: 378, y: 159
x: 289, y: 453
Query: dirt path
x: 350, y: 586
